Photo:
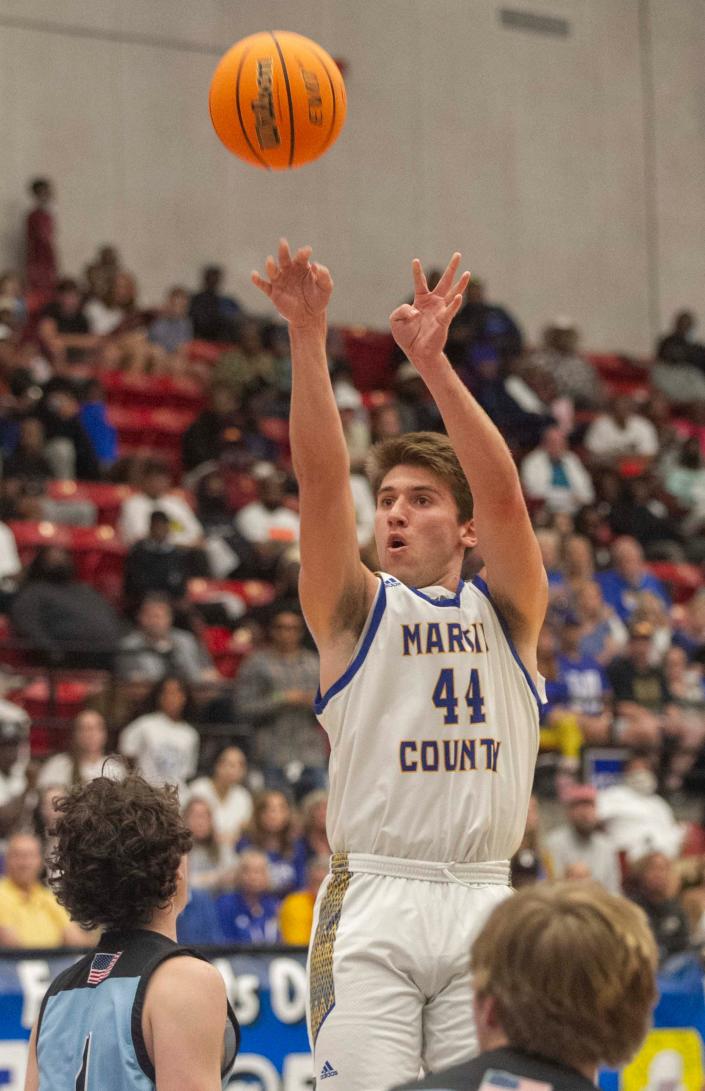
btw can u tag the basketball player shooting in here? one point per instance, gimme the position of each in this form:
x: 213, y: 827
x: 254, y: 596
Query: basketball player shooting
x: 429, y: 693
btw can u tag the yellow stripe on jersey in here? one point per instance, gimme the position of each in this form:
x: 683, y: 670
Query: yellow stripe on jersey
x: 321, y: 984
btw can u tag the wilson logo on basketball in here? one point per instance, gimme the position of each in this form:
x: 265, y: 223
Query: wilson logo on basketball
x: 313, y: 94
x: 263, y: 106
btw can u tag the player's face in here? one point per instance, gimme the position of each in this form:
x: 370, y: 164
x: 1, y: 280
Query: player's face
x: 419, y: 539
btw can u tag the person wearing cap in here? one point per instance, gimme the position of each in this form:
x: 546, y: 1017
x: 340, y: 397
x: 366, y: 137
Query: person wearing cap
x: 579, y: 841
x: 564, y: 977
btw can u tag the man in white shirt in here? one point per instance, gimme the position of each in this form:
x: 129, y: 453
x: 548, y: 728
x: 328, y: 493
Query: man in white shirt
x: 556, y: 475
x: 619, y: 432
x: 156, y: 496
x: 579, y: 841
x: 267, y: 519
x: 635, y: 818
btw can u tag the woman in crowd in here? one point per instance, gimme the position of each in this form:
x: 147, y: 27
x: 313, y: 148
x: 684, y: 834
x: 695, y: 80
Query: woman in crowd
x: 225, y: 793
x: 162, y: 744
x: 212, y: 864
x: 314, y: 807
x: 271, y: 830
x: 249, y: 914
x: 86, y: 758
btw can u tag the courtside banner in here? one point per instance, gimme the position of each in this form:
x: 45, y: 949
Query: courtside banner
x: 267, y: 990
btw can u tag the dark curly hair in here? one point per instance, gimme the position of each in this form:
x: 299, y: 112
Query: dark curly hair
x: 118, y: 847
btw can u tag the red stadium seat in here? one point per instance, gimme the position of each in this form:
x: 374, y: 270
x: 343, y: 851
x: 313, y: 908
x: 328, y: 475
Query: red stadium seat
x: 98, y: 553
x: 206, y: 352
x: 151, y: 391
x: 621, y: 375
x: 227, y: 649
x: 52, y: 703
x: 372, y: 399
x: 107, y: 497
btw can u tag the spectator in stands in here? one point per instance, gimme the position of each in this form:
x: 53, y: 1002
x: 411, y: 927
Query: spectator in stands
x: 93, y: 415
x: 86, y: 758
x: 247, y: 368
x: 211, y: 862
x: 679, y: 346
x: 685, y: 685
x: 274, y: 692
x: 63, y: 329
x: 156, y: 564
x: 173, y: 328
x: 62, y: 618
x: 622, y: 583
x: 531, y: 861
x: 585, y: 679
x: 45, y: 817
x: 30, y: 915
x: 225, y: 792
x: 635, y: 818
x: 229, y: 554
x: 619, y: 432
x: 536, y: 392
x: 267, y: 521
x: 18, y: 776
x: 643, y: 704
x: 654, y: 886
x: 28, y: 462
x: 101, y: 272
x: 578, y: 560
x: 67, y: 444
x: 639, y: 512
x: 550, y: 546
x: 579, y: 841
x: 564, y: 726
x: 481, y: 326
x: 691, y: 624
x: 314, y: 809
x: 10, y: 564
x: 523, y: 428
x: 564, y: 979
x: 603, y: 635
x: 215, y: 317
x: 41, y: 266
x: 248, y: 914
x: 198, y: 923
x: 385, y: 422
x: 555, y: 475
x: 684, y: 479
x: 156, y: 648
x: 574, y: 377
x: 272, y: 831
x: 222, y: 431
x: 296, y: 911
x: 355, y: 421
x: 417, y: 410
x: 162, y: 744
x: 156, y: 495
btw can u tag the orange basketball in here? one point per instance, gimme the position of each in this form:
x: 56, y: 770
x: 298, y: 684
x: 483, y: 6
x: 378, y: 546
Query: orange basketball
x: 277, y: 100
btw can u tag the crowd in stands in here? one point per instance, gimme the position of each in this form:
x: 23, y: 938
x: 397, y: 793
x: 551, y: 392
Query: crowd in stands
x: 149, y: 616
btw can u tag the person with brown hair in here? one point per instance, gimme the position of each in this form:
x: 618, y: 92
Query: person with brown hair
x: 429, y: 691
x: 139, y: 1011
x: 564, y: 978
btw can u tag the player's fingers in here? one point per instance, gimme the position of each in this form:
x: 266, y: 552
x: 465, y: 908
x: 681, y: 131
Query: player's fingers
x: 452, y: 309
x: 322, y: 274
x: 284, y: 253
x: 402, y: 313
x: 443, y: 286
x: 302, y: 255
x: 458, y: 288
x: 272, y: 268
x: 420, y: 285
x: 261, y: 283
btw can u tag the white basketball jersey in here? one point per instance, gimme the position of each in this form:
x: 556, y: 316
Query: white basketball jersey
x: 434, y: 730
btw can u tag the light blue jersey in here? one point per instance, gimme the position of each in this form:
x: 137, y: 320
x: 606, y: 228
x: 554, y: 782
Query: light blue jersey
x: 89, y: 1035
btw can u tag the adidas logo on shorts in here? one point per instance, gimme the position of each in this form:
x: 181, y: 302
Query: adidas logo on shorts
x: 328, y: 1071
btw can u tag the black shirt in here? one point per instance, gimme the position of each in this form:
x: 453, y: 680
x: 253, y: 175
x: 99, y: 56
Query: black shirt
x: 469, y: 1076
x: 648, y: 687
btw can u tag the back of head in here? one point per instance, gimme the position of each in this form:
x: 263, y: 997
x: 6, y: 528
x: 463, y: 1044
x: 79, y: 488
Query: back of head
x: 571, y: 969
x: 431, y: 450
x: 118, y: 849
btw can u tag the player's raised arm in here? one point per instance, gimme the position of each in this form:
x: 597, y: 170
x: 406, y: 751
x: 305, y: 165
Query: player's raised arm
x: 506, y: 540
x: 336, y: 589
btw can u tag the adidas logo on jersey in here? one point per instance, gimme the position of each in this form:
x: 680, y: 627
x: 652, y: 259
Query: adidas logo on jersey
x: 328, y: 1071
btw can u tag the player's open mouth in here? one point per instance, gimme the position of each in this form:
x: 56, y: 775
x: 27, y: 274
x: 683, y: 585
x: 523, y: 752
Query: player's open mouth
x: 395, y: 543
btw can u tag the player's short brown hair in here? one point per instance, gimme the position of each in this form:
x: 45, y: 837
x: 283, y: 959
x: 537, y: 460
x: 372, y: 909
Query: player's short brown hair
x: 118, y: 848
x: 571, y: 969
x: 431, y: 450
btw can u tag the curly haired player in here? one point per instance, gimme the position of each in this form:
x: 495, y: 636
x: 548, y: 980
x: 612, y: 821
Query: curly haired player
x: 140, y: 1012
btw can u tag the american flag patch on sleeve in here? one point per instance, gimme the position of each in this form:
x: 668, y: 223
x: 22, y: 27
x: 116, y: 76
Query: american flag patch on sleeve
x: 101, y: 966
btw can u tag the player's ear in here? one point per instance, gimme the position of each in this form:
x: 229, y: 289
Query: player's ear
x: 467, y: 534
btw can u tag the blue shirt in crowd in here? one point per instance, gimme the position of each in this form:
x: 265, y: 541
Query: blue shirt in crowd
x: 586, y: 683
x: 622, y: 596
x: 244, y: 923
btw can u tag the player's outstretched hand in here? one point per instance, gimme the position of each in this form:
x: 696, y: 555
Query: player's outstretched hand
x: 421, y: 328
x: 298, y: 287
